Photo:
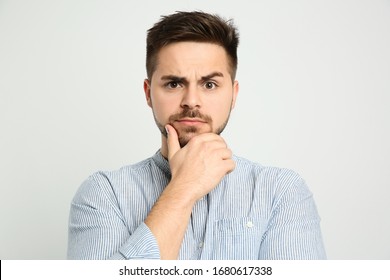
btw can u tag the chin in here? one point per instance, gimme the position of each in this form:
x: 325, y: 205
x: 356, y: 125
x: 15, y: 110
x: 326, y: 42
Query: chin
x: 184, y: 139
x: 186, y: 134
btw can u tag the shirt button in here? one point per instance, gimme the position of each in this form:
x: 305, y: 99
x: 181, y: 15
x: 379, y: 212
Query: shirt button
x: 200, y: 244
x: 249, y: 224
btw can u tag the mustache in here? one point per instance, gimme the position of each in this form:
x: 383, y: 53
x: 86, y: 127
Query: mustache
x: 190, y: 113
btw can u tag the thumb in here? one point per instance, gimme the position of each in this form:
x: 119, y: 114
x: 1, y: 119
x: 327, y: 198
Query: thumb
x: 172, y: 141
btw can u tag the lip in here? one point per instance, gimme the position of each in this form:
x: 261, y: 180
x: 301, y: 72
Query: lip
x: 191, y: 121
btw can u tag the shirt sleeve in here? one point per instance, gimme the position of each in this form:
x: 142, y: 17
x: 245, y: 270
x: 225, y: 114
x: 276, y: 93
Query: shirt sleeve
x: 97, y: 229
x: 293, y: 231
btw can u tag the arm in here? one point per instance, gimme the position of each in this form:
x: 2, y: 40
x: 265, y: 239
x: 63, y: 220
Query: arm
x: 97, y: 229
x: 294, y: 228
x: 196, y: 170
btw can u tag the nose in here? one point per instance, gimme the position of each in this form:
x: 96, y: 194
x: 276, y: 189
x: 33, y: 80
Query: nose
x: 191, y: 97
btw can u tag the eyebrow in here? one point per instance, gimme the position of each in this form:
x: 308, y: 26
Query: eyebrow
x: 173, y: 78
x: 212, y: 75
x: 184, y: 80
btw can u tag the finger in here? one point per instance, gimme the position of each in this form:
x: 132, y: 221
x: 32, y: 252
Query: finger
x: 230, y: 165
x: 172, y: 141
x: 209, y: 137
x: 225, y: 153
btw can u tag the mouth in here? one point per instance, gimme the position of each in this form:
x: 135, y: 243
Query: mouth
x: 190, y: 121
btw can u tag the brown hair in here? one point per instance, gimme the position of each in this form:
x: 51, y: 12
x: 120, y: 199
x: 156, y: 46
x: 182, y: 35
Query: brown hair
x: 191, y: 26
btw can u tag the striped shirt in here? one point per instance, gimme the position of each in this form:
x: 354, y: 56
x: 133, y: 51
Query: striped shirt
x: 255, y: 212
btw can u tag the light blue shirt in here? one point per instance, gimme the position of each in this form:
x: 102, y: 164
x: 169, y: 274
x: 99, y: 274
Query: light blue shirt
x: 255, y: 212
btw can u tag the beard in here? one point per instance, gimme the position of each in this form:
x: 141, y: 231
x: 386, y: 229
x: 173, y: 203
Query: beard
x: 186, y: 134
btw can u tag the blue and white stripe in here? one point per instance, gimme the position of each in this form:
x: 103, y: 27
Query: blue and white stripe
x: 255, y: 212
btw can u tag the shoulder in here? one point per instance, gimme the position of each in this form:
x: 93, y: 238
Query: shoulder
x: 269, y: 172
x: 278, y: 180
x: 121, y: 173
x: 108, y: 182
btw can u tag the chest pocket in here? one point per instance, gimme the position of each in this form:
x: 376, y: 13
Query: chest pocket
x: 238, y: 238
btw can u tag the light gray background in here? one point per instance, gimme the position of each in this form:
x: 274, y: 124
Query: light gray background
x: 314, y: 97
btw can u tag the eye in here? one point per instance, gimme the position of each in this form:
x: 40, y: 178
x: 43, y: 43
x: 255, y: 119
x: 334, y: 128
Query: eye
x: 172, y: 85
x: 210, y: 85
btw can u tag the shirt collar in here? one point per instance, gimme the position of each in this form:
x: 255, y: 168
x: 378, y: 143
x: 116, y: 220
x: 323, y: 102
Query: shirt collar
x: 161, y: 162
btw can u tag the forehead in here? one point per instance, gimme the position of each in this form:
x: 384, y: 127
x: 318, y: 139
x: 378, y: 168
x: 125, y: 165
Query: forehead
x: 186, y: 57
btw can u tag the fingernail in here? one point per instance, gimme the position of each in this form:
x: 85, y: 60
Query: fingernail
x: 167, y: 130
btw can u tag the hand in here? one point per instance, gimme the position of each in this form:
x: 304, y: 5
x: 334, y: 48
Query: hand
x: 198, y: 167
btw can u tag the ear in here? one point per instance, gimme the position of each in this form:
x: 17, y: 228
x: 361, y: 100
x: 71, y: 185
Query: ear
x: 235, y: 92
x: 147, y: 92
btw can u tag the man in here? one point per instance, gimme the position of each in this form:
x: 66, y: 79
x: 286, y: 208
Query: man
x: 193, y: 199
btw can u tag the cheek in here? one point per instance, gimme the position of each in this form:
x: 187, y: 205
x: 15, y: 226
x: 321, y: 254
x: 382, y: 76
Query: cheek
x: 162, y: 108
x: 220, y: 108
x: 222, y: 116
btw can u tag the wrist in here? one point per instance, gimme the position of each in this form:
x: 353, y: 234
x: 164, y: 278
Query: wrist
x: 182, y: 193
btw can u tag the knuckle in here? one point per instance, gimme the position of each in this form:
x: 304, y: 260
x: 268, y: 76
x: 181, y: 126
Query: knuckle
x: 197, y: 140
x: 229, y: 152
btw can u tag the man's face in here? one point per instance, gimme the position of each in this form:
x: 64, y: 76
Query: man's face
x: 191, y: 89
